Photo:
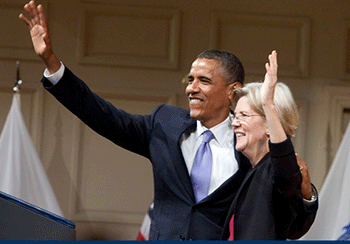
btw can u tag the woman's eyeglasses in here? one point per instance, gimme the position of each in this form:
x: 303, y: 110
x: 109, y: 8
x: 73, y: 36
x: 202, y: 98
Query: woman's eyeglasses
x: 241, y: 117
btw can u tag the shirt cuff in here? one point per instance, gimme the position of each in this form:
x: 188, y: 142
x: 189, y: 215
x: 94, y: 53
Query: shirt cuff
x: 55, y: 77
x: 313, y: 197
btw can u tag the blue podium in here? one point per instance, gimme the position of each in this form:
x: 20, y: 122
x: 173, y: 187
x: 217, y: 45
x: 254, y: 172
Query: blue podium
x: 20, y: 220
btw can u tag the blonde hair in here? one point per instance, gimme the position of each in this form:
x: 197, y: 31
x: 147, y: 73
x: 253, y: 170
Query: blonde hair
x: 284, y: 103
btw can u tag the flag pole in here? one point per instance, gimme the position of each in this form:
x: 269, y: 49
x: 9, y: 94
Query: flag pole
x: 18, y: 81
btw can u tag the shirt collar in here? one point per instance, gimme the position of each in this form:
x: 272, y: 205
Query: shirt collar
x: 222, y: 132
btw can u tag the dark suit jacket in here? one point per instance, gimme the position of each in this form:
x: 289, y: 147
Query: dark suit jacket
x: 269, y: 199
x: 156, y: 137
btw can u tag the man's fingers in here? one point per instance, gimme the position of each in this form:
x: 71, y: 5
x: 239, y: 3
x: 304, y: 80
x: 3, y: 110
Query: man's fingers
x: 36, y: 14
x: 42, y: 16
x: 35, y: 11
x: 32, y: 12
x: 28, y: 8
x: 26, y: 20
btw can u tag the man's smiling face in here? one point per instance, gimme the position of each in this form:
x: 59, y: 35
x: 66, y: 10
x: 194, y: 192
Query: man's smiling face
x: 208, y: 93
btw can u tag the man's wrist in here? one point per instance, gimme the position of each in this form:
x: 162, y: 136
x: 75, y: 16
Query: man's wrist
x: 55, y: 77
x: 313, y: 196
x: 52, y: 63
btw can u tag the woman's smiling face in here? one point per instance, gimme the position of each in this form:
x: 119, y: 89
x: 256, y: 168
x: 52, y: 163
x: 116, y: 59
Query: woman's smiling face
x: 251, y: 131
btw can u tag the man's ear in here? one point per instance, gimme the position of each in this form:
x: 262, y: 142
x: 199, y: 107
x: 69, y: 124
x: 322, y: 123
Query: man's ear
x: 268, y: 133
x: 237, y: 85
x: 233, y: 86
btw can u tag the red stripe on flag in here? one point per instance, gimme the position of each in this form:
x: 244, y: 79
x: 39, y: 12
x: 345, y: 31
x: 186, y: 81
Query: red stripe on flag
x: 140, y: 237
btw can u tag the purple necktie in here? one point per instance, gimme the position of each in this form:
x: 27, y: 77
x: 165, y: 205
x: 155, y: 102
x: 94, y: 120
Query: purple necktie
x: 201, y: 169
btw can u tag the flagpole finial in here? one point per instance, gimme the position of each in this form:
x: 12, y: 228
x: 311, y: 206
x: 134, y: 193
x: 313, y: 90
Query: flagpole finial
x: 18, y: 81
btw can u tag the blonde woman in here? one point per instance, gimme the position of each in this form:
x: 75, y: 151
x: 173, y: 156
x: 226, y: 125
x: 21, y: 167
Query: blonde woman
x: 269, y: 198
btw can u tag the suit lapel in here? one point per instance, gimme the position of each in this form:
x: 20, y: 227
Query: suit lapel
x: 180, y: 167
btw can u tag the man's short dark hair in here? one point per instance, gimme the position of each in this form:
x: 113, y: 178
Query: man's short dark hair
x: 230, y: 63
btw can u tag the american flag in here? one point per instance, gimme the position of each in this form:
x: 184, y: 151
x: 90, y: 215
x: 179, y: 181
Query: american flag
x: 146, y: 225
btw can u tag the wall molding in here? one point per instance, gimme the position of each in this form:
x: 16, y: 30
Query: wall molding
x: 105, y: 36
x: 245, y: 35
x: 345, y: 73
x: 339, y: 100
x: 299, y: 140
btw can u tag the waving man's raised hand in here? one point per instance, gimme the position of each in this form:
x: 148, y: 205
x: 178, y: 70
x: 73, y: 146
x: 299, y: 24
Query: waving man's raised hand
x: 39, y: 33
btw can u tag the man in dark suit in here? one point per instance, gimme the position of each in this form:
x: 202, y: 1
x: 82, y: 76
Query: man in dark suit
x: 169, y: 137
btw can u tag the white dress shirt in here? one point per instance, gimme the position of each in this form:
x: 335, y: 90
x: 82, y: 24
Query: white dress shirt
x: 224, y: 161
